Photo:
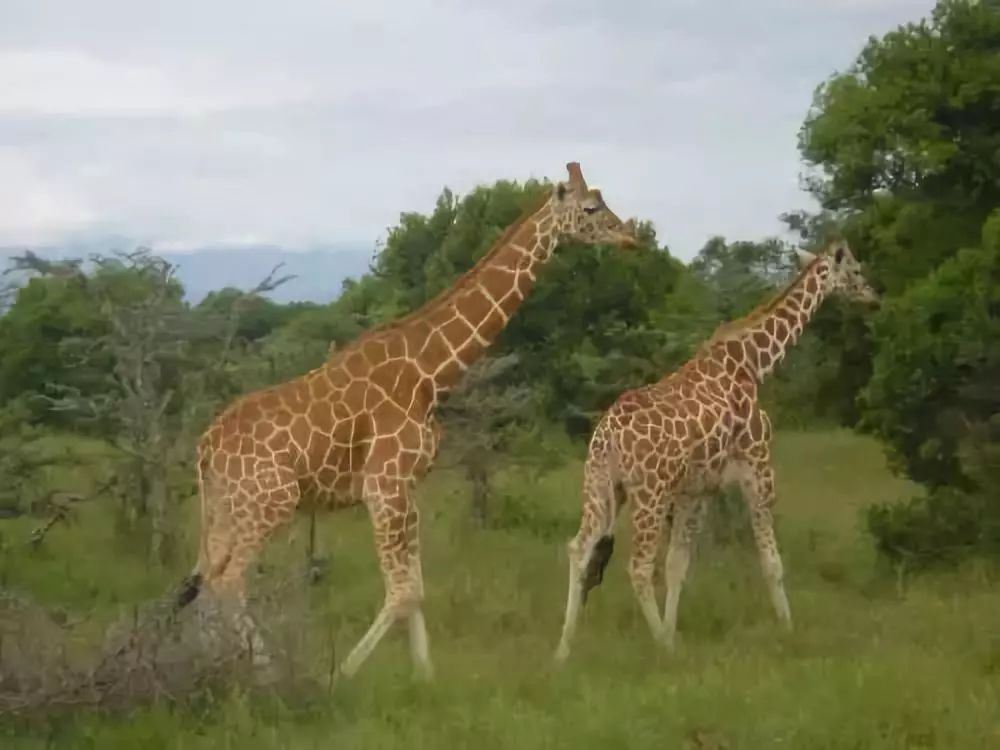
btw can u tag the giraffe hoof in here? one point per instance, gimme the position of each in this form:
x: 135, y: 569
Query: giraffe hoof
x: 562, y: 654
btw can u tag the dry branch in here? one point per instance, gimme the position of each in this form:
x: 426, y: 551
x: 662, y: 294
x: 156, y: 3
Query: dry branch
x: 150, y: 654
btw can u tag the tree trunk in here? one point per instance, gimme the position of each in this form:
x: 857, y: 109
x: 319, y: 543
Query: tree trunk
x: 159, y: 507
x: 312, y: 569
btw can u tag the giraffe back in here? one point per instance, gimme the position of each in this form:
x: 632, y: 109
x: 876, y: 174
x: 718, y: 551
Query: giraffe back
x: 321, y: 425
x: 683, y: 428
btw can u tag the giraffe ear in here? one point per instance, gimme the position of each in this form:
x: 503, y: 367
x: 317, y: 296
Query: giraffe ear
x: 838, y: 254
x: 561, y: 191
x: 805, y: 257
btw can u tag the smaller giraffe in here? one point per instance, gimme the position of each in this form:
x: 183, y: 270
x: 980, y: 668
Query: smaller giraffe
x: 664, y: 446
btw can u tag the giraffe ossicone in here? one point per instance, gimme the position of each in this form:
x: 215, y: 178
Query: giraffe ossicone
x: 662, y: 447
x: 361, y: 428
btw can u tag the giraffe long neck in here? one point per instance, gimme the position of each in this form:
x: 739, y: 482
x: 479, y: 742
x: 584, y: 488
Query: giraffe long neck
x: 458, y: 326
x: 766, y: 334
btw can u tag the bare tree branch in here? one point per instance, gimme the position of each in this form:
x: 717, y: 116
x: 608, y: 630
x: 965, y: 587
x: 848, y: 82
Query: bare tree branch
x: 30, y: 262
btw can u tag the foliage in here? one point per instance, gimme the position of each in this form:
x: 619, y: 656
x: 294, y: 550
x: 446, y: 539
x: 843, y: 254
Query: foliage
x: 46, y: 311
x: 112, y: 346
x: 480, y: 419
x: 253, y: 315
x: 20, y: 465
x: 146, y: 340
x: 938, y: 362
x: 741, y: 274
x: 908, y: 138
x: 904, y: 153
x: 934, y: 398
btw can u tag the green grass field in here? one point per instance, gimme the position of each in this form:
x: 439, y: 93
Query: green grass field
x: 875, y: 661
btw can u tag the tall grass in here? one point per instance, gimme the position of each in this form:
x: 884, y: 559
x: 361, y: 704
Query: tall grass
x: 873, y: 663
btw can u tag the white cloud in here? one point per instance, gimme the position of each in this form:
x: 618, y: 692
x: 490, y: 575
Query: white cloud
x: 298, y: 123
x: 191, y: 244
x: 68, y: 82
x: 34, y: 209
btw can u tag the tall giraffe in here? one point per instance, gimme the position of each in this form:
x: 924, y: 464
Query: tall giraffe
x: 361, y: 428
x: 664, y: 446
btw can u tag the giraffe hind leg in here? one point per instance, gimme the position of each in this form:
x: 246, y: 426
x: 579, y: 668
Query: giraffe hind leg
x: 216, y: 541
x: 582, y: 577
x: 234, y: 551
x: 602, y: 550
x: 589, y: 553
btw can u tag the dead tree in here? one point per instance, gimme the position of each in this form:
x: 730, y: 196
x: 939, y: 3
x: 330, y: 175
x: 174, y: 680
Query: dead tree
x: 157, y: 379
x: 146, y: 333
x: 24, y: 266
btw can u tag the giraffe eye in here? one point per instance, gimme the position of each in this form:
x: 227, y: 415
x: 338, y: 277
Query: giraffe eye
x: 590, y: 209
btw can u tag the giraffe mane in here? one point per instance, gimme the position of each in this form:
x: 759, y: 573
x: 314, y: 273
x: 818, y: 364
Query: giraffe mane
x: 462, y: 282
x: 726, y: 331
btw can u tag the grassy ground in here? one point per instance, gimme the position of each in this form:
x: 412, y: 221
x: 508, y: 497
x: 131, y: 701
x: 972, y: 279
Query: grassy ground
x: 874, y: 662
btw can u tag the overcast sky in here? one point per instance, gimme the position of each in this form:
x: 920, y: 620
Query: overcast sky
x: 189, y: 122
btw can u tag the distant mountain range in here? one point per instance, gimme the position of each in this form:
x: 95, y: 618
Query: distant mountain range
x: 319, y: 271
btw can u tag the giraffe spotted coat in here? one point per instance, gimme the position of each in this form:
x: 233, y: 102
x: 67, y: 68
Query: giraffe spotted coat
x: 361, y: 428
x: 663, y: 447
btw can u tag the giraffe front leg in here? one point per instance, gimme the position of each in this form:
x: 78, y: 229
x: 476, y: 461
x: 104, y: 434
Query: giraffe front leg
x: 753, y: 471
x: 758, y: 490
x: 395, y: 523
x: 770, y: 560
x: 689, y: 514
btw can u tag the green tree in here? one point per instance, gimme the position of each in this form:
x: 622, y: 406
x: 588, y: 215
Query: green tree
x: 480, y: 419
x: 254, y: 314
x: 740, y: 275
x: 937, y: 366
x: 935, y: 399
x: 904, y: 151
x: 904, y: 144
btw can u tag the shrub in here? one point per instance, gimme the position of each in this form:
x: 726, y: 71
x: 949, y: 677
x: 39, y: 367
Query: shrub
x: 934, y: 399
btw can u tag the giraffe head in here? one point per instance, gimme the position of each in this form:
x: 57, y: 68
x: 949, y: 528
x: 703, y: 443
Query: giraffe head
x: 845, y: 276
x: 582, y: 215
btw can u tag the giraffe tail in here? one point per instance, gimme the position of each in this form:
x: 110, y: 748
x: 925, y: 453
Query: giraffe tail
x: 593, y: 574
x: 188, y: 591
x: 191, y: 585
x: 612, y: 497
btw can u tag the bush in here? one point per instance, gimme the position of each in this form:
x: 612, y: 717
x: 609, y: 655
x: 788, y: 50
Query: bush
x: 521, y: 512
x: 938, y: 529
x: 934, y: 399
